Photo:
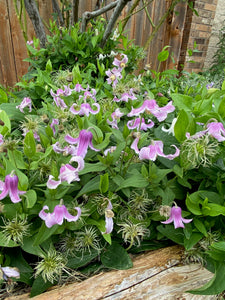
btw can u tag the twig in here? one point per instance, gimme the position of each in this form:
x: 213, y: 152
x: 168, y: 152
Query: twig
x: 35, y: 18
x: 90, y: 15
x: 161, y: 21
x: 56, y: 9
x: 120, y: 6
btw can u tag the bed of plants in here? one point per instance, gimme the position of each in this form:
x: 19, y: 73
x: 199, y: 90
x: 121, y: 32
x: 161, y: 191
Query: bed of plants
x: 96, y: 163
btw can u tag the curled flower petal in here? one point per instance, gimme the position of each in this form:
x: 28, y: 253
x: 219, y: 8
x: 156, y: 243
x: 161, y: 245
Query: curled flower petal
x: 53, y: 184
x: 176, y: 217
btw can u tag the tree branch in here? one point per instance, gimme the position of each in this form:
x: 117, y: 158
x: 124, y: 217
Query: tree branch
x: 56, y: 9
x: 90, y: 15
x: 120, y: 6
x: 35, y: 18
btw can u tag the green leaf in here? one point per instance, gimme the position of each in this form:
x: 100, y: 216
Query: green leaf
x: 29, y: 145
x: 194, y: 239
x: 175, y: 235
x: 44, y: 233
x: 192, y: 202
x: 116, y: 257
x: 104, y: 183
x: 6, y: 128
x: 28, y: 246
x: 163, y: 55
x: 101, y: 226
x: 5, y: 243
x: 91, y: 186
x: 91, y: 168
x: 182, y: 101
x: 39, y: 286
x: 48, y: 67
x: 134, y: 181
x: 3, y: 96
x: 81, y: 259
x: 31, y: 198
x: 200, y: 226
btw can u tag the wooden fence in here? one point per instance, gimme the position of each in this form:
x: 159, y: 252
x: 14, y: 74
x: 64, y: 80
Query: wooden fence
x: 13, y: 46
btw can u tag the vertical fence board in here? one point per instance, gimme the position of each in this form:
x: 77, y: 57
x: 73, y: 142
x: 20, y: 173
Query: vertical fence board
x: 18, y: 42
x: 13, y: 47
x: 9, y: 76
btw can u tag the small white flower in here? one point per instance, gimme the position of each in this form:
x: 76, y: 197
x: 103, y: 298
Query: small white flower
x: 171, y: 129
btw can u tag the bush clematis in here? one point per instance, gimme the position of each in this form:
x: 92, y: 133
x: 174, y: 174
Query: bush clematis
x: 10, y: 187
x: 85, y: 109
x: 176, y: 217
x: 26, y: 102
x: 113, y: 75
x: 108, y: 218
x: 139, y: 123
x: 150, y: 106
x: 83, y: 142
x: 153, y: 150
x: 58, y: 215
x: 67, y: 173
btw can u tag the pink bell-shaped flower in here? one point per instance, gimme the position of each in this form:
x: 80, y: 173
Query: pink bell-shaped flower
x: 176, y: 218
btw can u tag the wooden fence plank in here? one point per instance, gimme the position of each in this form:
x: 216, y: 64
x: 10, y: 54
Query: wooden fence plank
x: 138, y: 28
x: 6, y: 48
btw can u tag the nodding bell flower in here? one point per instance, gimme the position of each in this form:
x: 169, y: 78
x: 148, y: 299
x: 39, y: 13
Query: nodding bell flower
x: 116, y: 115
x: 113, y: 75
x: 9, y: 272
x: 85, y: 109
x: 214, y: 129
x: 58, y: 215
x: 10, y: 187
x: 54, y: 122
x: 67, y: 173
x: 176, y: 218
x: 153, y: 150
x: 150, y: 106
x: 26, y: 102
x: 108, y: 218
x: 1, y: 139
x: 121, y: 64
x: 132, y: 124
x: 125, y: 97
x: 83, y: 142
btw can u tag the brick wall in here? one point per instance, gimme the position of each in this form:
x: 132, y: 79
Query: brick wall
x: 218, y: 23
x: 200, y: 29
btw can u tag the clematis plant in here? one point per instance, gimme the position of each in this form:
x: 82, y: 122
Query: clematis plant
x: 58, y: 215
x: 176, y: 218
x: 10, y: 187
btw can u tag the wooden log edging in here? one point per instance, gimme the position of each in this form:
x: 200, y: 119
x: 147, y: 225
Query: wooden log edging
x: 155, y: 275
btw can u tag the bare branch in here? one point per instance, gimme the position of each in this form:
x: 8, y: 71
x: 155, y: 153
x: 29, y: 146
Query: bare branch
x: 120, y: 6
x: 35, y: 18
x: 56, y: 9
x: 90, y: 15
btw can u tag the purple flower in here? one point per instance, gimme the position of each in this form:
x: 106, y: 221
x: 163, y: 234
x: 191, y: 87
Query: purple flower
x: 109, y: 150
x: 1, y: 139
x: 54, y: 122
x: 132, y: 124
x: 125, y: 97
x: 209, y: 85
x: 88, y: 95
x: 216, y: 130
x: 78, y: 88
x: 108, y: 218
x: 152, y: 151
x: 85, y: 109
x: 116, y: 115
x: 10, y: 187
x: 59, y: 101
x: 67, y: 173
x: 83, y: 142
x: 121, y: 64
x: 26, y: 102
x: 9, y: 272
x: 30, y: 42
x: 113, y: 75
x: 150, y: 106
x: 176, y: 217
x: 59, y: 214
